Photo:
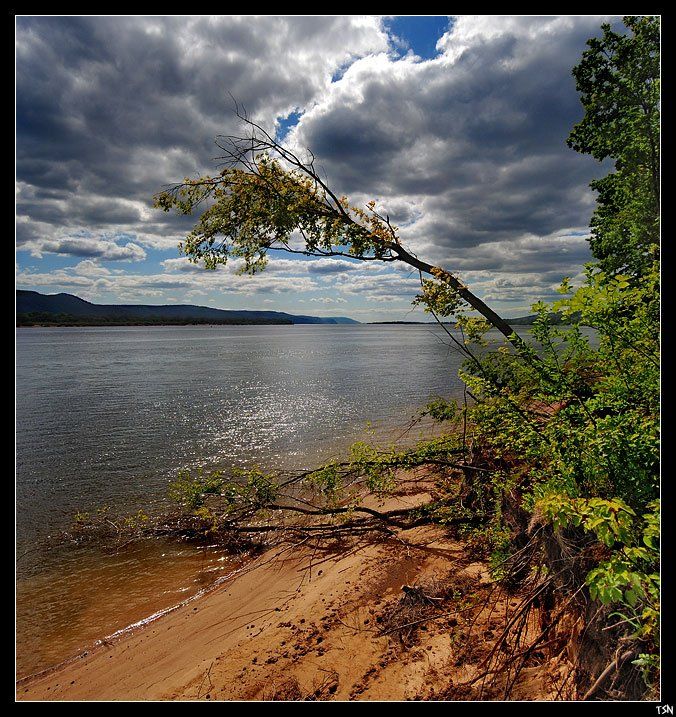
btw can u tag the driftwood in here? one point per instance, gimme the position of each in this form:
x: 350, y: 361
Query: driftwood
x: 613, y: 666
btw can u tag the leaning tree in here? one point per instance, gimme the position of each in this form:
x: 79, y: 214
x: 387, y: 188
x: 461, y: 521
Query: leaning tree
x: 267, y: 196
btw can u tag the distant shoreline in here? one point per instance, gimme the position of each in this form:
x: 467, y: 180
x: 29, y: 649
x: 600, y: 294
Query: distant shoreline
x: 159, y: 323
x: 209, y: 322
x: 33, y: 308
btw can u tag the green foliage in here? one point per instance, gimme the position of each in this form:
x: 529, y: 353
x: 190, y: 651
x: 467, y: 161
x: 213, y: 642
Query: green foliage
x: 437, y: 297
x: 191, y: 490
x: 585, y: 418
x: 328, y: 481
x: 472, y: 328
x: 504, y: 371
x: 377, y: 467
x: 138, y: 520
x: 629, y: 579
x: 246, y: 490
x: 618, y: 79
x: 579, y: 427
x: 649, y: 665
x: 610, y: 520
x: 256, y: 209
x: 442, y: 410
x: 502, y: 549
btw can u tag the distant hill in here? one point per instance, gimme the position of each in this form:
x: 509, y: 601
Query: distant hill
x: 33, y: 307
x: 522, y: 320
x: 554, y: 318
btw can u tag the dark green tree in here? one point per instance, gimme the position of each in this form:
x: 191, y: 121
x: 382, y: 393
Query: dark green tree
x: 619, y: 82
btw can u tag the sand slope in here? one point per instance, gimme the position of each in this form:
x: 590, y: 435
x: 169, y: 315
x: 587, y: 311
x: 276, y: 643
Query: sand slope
x: 304, y: 624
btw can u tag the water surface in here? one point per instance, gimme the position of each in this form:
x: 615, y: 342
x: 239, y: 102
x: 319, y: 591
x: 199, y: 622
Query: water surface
x: 108, y: 416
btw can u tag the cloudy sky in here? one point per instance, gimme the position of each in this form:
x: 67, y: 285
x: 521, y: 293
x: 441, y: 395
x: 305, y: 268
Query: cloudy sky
x: 455, y: 125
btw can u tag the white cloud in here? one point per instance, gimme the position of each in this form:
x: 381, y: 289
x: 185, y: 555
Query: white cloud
x: 84, y: 244
x: 329, y: 300
x: 467, y: 151
x: 87, y: 267
x: 111, y: 109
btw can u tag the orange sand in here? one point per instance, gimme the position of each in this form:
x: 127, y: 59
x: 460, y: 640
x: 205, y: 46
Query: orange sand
x: 297, y: 624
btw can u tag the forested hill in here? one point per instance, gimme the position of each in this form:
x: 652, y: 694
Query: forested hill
x: 554, y: 318
x: 33, y: 307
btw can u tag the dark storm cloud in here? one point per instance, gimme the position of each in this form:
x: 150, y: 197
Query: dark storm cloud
x: 110, y: 110
x: 475, y: 139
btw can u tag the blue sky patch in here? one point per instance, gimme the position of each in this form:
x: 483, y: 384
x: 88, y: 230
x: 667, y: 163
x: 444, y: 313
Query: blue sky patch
x: 420, y: 32
x: 286, y: 124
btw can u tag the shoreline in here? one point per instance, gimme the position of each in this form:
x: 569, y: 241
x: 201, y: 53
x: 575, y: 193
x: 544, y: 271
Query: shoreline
x: 244, y: 564
x: 295, y: 623
x: 128, y: 629
x: 160, y: 588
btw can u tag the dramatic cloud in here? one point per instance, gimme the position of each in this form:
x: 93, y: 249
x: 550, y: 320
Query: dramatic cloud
x: 97, y: 280
x: 40, y: 238
x: 468, y: 148
x: 109, y: 110
x: 464, y: 149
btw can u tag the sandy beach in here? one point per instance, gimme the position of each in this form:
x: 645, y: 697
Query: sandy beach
x: 301, y: 624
